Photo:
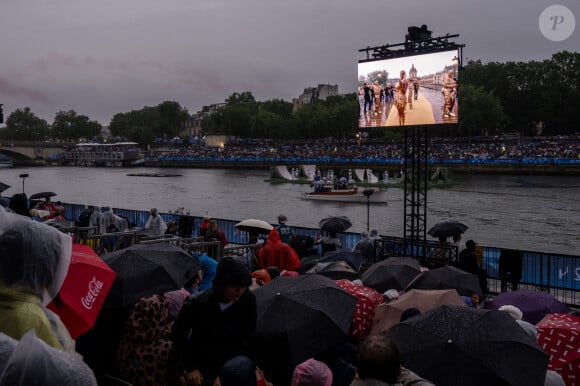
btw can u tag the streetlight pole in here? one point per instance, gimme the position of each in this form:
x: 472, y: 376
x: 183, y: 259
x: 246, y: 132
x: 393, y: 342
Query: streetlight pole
x: 368, y: 193
x: 23, y: 176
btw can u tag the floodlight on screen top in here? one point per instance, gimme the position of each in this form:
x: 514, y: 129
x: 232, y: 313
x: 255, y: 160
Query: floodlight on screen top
x: 424, y: 95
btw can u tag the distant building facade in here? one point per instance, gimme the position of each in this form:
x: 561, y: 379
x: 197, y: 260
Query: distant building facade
x: 193, y: 125
x: 312, y: 94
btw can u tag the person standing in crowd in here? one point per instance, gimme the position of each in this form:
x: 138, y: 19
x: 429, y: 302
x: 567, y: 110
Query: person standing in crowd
x: 155, y: 223
x: 367, y: 96
x: 468, y: 261
x: 241, y: 371
x: 278, y: 254
x: 379, y: 364
x: 213, y: 233
x: 329, y: 243
x: 95, y: 221
x: 203, y: 226
x: 449, y: 89
x: 208, y: 267
x: 213, y: 326
x: 34, y: 260
x: 286, y: 232
x: 312, y: 373
x: 460, y: 247
x: 365, y: 246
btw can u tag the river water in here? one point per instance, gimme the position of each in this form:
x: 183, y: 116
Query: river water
x: 538, y: 213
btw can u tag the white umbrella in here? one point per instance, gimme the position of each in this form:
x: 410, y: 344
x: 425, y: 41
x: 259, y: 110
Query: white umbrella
x: 254, y: 226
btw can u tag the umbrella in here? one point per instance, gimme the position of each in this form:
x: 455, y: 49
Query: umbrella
x: 335, y: 224
x: 559, y: 336
x: 254, y: 226
x: 354, y: 259
x: 146, y: 269
x: 392, y: 273
x: 36, y: 196
x: 533, y: 304
x: 389, y: 314
x: 447, y: 229
x: 453, y: 345
x: 448, y: 277
x: 83, y: 291
x: 334, y: 270
x: 367, y: 300
x: 302, y: 316
x: 3, y: 187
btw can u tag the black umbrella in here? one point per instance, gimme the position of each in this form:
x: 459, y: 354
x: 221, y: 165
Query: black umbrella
x: 392, y: 273
x: 354, y: 259
x: 335, y: 224
x: 302, y: 316
x: 146, y: 269
x: 3, y: 187
x: 448, y: 277
x: 447, y: 229
x: 452, y: 345
x: 38, y: 195
x: 335, y: 270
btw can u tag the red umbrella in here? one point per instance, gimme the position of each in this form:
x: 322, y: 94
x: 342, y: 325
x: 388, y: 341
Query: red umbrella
x: 367, y: 300
x: 84, y: 290
x: 559, y: 336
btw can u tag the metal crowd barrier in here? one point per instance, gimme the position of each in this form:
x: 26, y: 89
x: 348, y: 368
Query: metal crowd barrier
x: 557, y: 274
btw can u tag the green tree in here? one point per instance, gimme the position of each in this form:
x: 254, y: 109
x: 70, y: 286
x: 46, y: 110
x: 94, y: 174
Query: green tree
x: 277, y: 106
x: 69, y: 125
x: 480, y: 111
x: 23, y: 124
x: 171, y: 118
x: 166, y: 119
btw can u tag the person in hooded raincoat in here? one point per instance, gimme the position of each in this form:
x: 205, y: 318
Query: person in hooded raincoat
x: 31, y: 362
x: 110, y: 222
x: 155, y: 223
x: 34, y: 260
x: 278, y: 254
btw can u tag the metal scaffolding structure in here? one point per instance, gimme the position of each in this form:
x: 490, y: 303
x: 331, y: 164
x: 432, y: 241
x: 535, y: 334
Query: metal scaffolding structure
x: 415, y: 183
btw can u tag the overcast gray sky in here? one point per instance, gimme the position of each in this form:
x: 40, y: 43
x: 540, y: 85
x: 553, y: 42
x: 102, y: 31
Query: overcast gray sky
x: 101, y: 57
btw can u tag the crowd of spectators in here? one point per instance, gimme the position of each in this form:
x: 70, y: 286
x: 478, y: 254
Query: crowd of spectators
x: 542, y: 148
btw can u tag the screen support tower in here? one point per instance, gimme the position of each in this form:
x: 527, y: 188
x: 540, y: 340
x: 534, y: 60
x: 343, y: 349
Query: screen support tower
x: 415, y: 173
x: 415, y: 168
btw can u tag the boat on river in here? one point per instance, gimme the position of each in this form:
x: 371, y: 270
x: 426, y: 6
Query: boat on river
x: 118, y: 154
x: 348, y: 194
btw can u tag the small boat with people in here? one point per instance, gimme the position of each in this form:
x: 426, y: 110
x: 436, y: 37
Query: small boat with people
x: 350, y: 193
x: 374, y: 195
x: 343, y: 189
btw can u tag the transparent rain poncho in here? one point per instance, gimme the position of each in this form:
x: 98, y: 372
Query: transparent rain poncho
x: 32, y: 362
x: 109, y: 218
x: 34, y: 257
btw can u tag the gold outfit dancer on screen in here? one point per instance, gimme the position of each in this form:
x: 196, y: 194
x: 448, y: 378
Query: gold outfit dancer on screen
x: 401, y: 97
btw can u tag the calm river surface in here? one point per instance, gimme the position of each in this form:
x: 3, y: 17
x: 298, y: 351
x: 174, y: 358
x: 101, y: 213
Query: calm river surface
x: 539, y: 213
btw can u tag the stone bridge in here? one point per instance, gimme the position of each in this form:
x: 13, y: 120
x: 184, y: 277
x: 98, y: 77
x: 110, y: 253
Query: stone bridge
x: 25, y: 152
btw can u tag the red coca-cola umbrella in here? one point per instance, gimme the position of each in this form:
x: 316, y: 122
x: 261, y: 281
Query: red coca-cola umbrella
x: 84, y: 290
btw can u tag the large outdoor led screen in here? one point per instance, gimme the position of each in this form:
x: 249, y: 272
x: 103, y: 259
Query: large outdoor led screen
x: 409, y: 90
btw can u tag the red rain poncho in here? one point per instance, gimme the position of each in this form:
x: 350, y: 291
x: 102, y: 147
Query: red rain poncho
x: 276, y: 253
